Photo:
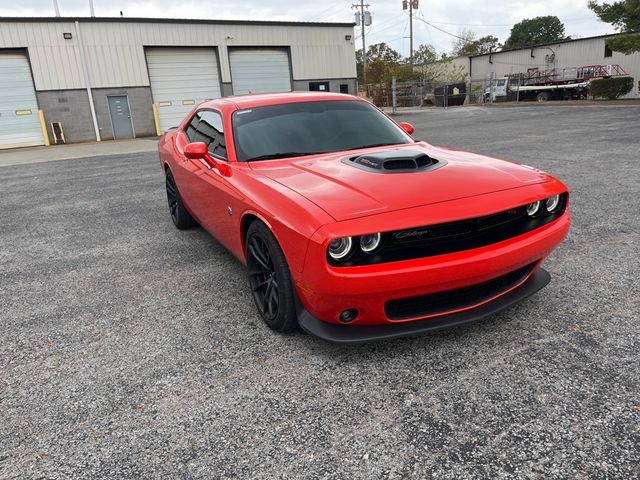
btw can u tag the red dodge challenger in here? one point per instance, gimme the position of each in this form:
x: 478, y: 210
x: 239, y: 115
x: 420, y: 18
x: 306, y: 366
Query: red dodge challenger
x: 348, y: 226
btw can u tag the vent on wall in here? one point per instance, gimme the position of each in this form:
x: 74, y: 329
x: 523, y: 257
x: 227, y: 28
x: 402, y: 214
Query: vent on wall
x: 395, y: 161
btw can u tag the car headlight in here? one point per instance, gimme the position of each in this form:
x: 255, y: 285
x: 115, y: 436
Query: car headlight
x: 552, y: 203
x: 340, y: 248
x: 368, y: 243
x: 533, y: 208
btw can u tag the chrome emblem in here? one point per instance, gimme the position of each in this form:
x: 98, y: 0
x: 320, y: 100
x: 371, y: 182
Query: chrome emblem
x: 411, y: 234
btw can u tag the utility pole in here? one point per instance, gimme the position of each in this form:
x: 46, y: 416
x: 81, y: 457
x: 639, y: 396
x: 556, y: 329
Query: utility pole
x: 363, y: 19
x: 411, y: 33
x: 410, y: 5
x: 55, y: 8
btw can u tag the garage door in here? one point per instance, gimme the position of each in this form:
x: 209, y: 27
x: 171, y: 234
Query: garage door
x: 19, y: 122
x: 260, y: 70
x: 180, y: 79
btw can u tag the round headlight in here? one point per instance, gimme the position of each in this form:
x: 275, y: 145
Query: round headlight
x: 533, y: 209
x: 368, y: 243
x: 552, y: 203
x: 340, y: 248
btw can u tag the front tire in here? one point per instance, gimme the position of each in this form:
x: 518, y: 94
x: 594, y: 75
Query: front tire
x: 181, y: 218
x: 270, y: 279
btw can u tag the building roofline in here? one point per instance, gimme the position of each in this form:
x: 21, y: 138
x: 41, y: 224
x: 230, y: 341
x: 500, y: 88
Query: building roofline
x: 171, y: 20
x: 538, y: 45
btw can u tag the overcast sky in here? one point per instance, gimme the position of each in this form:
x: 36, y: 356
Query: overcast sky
x: 390, y: 23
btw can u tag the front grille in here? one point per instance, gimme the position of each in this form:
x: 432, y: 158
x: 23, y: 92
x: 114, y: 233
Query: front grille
x: 443, y: 238
x: 450, y: 300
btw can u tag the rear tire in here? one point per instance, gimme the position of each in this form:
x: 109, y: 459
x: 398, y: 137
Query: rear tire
x: 270, y: 279
x: 542, y: 97
x: 181, y: 218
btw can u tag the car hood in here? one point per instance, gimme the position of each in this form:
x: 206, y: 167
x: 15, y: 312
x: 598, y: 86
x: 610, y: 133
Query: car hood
x: 346, y: 192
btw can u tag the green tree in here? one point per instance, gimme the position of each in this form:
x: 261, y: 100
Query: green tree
x: 424, y: 54
x: 469, y: 44
x: 482, y: 45
x: 381, y: 61
x: 536, y: 31
x: 464, y: 38
x: 624, y: 15
x: 383, y: 52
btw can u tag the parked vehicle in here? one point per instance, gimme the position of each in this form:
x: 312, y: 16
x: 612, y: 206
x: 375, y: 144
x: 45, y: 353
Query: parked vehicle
x: 351, y: 228
x: 552, y: 84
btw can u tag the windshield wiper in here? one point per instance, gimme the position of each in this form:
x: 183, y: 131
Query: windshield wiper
x: 373, y: 145
x: 273, y: 156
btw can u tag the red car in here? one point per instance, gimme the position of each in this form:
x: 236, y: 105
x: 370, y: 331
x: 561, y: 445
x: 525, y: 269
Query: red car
x: 348, y: 226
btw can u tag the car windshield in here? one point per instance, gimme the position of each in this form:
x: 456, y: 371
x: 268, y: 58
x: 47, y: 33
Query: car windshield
x: 307, y: 128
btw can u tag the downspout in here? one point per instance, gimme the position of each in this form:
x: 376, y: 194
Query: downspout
x: 87, y: 82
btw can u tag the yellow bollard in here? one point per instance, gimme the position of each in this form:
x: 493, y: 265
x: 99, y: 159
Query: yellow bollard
x: 156, y: 119
x: 43, y: 126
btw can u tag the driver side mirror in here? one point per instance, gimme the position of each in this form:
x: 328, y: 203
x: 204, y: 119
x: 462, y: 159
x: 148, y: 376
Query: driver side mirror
x: 200, y: 151
x: 196, y: 150
x: 407, y: 127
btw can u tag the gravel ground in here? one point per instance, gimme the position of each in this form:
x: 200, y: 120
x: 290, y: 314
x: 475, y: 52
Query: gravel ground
x: 130, y: 349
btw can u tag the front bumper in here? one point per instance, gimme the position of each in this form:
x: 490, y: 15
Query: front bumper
x: 326, y: 291
x: 350, y: 334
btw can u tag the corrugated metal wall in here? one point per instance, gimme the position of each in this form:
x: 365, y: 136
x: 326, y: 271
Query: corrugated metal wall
x: 115, y: 50
x: 589, y: 51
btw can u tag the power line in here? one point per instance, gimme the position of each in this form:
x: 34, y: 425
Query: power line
x: 483, y: 25
x: 318, y: 16
x: 442, y: 30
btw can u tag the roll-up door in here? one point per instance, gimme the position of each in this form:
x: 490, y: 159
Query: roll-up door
x: 19, y: 122
x: 180, y: 79
x: 260, y: 70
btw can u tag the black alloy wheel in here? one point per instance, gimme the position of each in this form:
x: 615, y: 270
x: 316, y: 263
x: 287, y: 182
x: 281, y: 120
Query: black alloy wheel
x: 269, y: 278
x: 181, y: 218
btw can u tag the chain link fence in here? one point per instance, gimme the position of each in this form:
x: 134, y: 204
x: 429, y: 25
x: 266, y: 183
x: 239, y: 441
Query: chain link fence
x: 423, y: 93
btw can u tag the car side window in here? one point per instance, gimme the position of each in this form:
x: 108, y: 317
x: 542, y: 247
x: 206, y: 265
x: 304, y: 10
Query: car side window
x: 211, y: 132
x: 190, y: 131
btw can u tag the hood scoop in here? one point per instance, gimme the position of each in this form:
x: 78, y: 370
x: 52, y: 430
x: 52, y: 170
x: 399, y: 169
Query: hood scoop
x: 395, y: 161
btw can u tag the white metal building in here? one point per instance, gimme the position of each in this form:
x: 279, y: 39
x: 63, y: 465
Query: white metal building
x: 561, y: 56
x: 102, y: 78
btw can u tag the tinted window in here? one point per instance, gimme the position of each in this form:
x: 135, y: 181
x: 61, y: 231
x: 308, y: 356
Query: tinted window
x: 206, y: 127
x: 191, y: 128
x: 311, y: 127
x: 211, y: 132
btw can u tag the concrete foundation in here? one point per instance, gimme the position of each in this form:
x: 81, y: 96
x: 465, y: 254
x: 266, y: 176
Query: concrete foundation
x: 71, y: 109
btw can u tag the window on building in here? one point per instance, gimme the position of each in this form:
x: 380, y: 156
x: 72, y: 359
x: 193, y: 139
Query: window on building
x: 607, y: 51
x: 344, y: 88
x: 319, y: 86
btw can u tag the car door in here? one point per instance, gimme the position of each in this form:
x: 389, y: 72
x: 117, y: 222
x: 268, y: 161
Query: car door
x: 212, y: 193
x: 184, y: 170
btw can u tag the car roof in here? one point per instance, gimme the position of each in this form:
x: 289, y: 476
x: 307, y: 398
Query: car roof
x: 264, y: 99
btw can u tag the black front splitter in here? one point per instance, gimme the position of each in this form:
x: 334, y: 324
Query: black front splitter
x: 361, y: 334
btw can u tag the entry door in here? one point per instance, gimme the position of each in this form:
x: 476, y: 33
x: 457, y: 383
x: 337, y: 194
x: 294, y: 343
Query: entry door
x: 120, y: 117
